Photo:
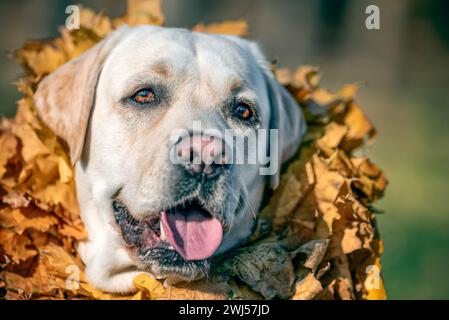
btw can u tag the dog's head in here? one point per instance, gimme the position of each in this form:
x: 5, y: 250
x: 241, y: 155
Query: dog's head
x: 145, y: 113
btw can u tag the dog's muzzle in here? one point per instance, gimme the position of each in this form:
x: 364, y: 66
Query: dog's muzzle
x: 190, y: 231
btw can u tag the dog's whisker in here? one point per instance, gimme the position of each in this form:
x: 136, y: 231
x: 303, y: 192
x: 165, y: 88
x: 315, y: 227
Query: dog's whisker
x: 247, y: 203
x: 243, y: 197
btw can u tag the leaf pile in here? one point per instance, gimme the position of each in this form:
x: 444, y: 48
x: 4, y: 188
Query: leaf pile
x: 315, y: 237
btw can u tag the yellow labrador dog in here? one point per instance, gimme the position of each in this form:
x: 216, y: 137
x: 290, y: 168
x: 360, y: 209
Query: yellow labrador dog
x: 117, y: 106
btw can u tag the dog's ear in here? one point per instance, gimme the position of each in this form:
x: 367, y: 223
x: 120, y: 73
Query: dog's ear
x: 285, y: 116
x: 64, y: 99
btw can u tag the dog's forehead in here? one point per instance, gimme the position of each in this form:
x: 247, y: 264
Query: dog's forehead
x: 181, y: 53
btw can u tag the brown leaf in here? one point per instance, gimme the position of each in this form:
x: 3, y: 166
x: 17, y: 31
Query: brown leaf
x: 17, y: 247
x: 265, y: 267
x: 307, y: 288
x: 20, y: 219
x: 314, y: 252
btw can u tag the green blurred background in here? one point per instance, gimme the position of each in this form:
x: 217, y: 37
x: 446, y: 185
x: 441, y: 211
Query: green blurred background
x: 405, y: 68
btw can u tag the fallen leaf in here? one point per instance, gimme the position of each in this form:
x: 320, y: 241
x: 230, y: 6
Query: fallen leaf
x: 237, y: 28
x: 265, y: 267
x: 307, y: 288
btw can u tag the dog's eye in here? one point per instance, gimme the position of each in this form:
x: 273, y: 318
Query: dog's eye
x: 243, y: 111
x: 144, y: 96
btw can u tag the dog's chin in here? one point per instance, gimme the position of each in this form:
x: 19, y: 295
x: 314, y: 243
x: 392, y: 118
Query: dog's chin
x: 164, y: 262
x: 147, y: 242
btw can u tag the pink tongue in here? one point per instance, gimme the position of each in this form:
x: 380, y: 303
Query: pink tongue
x: 194, y: 235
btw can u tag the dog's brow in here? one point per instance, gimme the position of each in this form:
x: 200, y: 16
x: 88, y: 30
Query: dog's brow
x: 161, y: 68
x: 235, y: 84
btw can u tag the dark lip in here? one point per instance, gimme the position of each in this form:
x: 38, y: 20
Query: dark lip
x: 118, y: 205
x: 136, y: 233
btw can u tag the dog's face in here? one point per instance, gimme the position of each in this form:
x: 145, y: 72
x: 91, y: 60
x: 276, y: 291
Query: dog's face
x: 131, y: 106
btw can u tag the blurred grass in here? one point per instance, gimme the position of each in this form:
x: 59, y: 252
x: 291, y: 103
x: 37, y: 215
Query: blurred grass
x: 413, y: 149
x: 415, y: 261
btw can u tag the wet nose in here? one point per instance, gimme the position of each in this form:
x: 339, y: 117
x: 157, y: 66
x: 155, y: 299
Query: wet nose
x: 201, y: 155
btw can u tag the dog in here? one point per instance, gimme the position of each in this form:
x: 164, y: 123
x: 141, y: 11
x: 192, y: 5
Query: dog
x: 116, y: 106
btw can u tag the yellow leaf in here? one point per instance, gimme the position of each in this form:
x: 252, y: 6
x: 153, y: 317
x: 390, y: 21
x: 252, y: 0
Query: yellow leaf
x: 41, y: 59
x: 23, y: 218
x: 143, y: 12
x: 152, y: 287
x: 65, y: 170
x: 8, y: 147
x: 137, y: 296
x: 236, y: 28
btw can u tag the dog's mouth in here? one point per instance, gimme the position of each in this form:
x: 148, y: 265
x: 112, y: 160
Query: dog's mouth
x: 189, y: 229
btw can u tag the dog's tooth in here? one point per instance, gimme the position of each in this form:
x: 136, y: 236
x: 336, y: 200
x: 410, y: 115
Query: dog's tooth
x: 162, y: 236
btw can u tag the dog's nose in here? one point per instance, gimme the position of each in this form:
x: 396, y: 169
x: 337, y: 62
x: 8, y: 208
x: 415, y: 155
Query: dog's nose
x: 202, y: 155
